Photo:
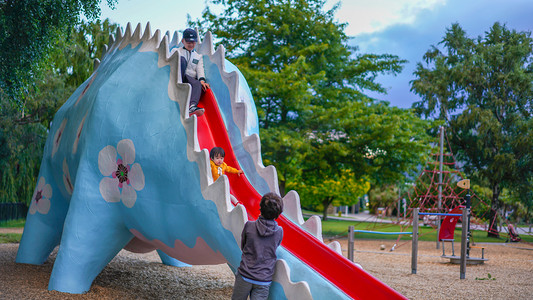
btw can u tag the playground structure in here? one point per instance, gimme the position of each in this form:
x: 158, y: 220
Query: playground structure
x: 125, y: 167
x: 446, y: 234
x: 435, y: 191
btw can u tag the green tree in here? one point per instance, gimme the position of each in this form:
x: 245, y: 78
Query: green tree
x: 22, y: 137
x: 483, y: 89
x: 309, y: 88
x: 29, y: 29
x: 321, y: 192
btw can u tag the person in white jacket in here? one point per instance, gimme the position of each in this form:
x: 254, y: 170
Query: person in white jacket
x: 192, y: 69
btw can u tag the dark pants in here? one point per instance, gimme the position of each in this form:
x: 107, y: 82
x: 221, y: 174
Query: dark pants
x: 196, y: 85
x: 242, y: 289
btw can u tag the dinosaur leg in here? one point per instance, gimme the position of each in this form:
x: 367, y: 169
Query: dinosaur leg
x: 45, y: 219
x: 94, y: 233
x: 170, y: 261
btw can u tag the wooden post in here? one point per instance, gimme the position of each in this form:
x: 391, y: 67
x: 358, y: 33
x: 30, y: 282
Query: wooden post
x: 464, y: 237
x: 350, y: 243
x: 414, y: 247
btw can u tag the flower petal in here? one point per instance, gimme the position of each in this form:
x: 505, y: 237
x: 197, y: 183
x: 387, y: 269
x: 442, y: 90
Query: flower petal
x: 33, y: 207
x: 126, y: 149
x: 43, y: 206
x: 47, y: 191
x: 58, y: 136
x: 40, y: 184
x: 68, y: 187
x: 109, y: 189
x: 78, y: 134
x: 129, y: 196
x: 136, y: 177
x: 107, y: 160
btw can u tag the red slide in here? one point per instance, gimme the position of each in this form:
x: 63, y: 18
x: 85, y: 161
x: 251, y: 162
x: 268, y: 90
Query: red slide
x: 353, y: 281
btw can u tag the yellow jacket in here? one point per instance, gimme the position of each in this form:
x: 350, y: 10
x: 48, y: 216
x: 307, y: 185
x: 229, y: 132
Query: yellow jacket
x: 217, y: 171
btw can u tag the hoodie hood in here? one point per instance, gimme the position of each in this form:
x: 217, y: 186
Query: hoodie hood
x: 266, y: 227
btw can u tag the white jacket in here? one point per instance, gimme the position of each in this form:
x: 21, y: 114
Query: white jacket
x: 195, y: 63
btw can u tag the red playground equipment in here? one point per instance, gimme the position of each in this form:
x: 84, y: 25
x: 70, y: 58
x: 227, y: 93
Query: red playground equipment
x: 446, y: 234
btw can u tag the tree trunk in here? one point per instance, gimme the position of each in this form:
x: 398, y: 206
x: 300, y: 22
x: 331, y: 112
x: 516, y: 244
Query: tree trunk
x: 495, y: 206
x: 326, y: 202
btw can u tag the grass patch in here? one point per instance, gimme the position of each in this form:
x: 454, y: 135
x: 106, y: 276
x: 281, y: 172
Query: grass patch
x: 13, y: 223
x: 339, y: 229
x: 6, y: 238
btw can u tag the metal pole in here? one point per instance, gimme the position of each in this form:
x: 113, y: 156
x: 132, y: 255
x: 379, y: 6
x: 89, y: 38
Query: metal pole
x: 399, y: 199
x: 468, y: 204
x: 441, y: 159
x: 464, y: 237
x: 350, y: 242
x: 414, y: 247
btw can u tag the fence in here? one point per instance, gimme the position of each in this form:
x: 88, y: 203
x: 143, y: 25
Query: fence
x: 13, y: 211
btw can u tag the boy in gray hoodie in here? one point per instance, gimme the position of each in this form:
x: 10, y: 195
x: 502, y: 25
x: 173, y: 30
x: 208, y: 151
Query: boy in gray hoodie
x: 260, y: 239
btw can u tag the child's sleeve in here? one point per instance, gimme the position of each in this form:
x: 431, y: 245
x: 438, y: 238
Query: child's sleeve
x: 231, y: 170
x: 200, y: 72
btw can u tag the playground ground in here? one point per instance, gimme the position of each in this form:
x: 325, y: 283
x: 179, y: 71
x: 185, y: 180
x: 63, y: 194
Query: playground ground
x: 141, y: 276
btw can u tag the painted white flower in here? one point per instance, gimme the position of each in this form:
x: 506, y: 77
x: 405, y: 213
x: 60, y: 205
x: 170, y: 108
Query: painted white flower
x: 66, y: 178
x: 123, y: 176
x: 40, y: 201
x: 57, y: 136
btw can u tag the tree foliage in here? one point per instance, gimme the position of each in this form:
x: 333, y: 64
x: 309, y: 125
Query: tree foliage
x: 483, y: 89
x: 309, y: 85
x: 22, y: 137
x: 29, y: 30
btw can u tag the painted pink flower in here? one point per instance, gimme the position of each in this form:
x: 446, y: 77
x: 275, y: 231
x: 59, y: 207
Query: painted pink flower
x: 85, y: 89
x: 57, y: 137
x: 40, y: 201
x: 123, y: 177
x: 69, y: 186
x: 78, y: 135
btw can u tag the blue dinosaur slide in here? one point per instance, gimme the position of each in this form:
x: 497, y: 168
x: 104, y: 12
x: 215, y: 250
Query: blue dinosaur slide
x: 125, y: 167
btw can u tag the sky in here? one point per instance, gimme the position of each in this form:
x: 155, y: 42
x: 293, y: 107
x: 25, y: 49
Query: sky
x: 406, y: 28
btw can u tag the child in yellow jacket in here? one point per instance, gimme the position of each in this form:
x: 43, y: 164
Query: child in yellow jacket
x: 218, y: 166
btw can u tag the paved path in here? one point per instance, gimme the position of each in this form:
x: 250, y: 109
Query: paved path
x: 11, y: 230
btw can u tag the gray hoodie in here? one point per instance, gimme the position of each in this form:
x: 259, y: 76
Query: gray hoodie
x: 260, y: 239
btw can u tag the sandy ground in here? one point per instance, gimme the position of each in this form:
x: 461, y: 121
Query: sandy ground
x: 141, y: 276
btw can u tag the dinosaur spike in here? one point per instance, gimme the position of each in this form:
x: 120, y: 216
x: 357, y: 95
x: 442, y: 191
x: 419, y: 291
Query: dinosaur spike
x: 118, y: 34
x: 104, y: 51
x: 336, y: 246
x: 299, y: 290
x: 232, y: 218
x: 314, y: 226
x: 291, y: 207
x: 191, y: 127
x: 174, y: 41
x: 240, y: 115
x: 252, y: 145
x: 207, y: 43
x: 150, y: 43
x: 117, y: 39
x: 163, y: 52
x: 136, y: 36
x: 147, y: 33
x: 96, y: 64
x: 126, y: 38
x: 271, y: 177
